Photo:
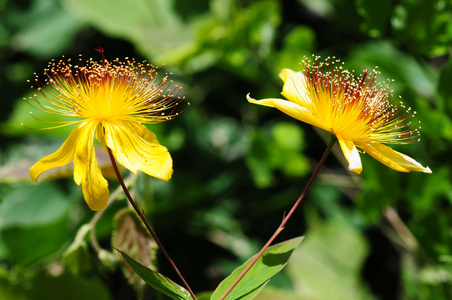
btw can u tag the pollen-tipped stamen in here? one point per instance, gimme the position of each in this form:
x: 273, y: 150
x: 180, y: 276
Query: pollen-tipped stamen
x: 357, y: 107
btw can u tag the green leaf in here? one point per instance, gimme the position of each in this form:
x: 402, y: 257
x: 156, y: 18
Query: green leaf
x: 287, y: 149
x: 271, y: 293
x: 30, y: 215
x: 45, y: 286
x: 33, y: 205
x: 76, y: 258
x: 299, y: 42
x: 152, y: 26
x: 376, y: 16
x: 329, y: 264
x: 45, y: 28
x: 267, y: 266
x: 288, y: 136
x: 157, y: 281
x: 204, y: 295
x: 393, y: 64
x: 422, y: 27
x: 444, y: 86
x: 21, y: 115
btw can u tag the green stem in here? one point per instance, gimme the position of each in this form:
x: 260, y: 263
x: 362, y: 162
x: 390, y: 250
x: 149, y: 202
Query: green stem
x: 286, y: 218
x: 145, y: 222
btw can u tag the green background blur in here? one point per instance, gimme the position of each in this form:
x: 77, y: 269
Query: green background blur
x: 238, y: 166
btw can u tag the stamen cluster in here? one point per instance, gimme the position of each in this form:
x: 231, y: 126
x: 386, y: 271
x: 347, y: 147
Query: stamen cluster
x: 127, y: 91
x: 357, y: 108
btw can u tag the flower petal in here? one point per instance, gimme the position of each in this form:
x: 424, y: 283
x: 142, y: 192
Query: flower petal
x: 393, y: 159
x: 351, y: 154
x: 100, y: 137
x: 87, y: 171
x: 61, y: 157
x: 292, y: 109
x: 137, y: 148
x: 294, y: 88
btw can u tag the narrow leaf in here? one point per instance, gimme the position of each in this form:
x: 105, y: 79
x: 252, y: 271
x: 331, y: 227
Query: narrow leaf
x: 267, y: 266
x: 157, y: 281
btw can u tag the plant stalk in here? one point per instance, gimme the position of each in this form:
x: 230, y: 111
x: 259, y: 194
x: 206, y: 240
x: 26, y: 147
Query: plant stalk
x: 145, y: 222
x: 286, y: 218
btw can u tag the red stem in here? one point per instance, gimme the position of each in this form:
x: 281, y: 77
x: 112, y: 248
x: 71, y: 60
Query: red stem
x: 149, y: 228
x: 286, y: 218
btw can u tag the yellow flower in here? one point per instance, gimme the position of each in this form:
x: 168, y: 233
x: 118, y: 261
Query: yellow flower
x: 110, y: 102
x: 356, y: 110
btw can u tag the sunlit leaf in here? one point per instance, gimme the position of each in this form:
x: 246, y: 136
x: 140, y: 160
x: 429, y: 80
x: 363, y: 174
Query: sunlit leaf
x: 154, y: 26
x: 45, y: 28
x: 268, y: 265
x: 328, y: 266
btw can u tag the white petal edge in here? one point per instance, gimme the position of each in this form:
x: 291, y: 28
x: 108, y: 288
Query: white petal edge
x: 351, y: 155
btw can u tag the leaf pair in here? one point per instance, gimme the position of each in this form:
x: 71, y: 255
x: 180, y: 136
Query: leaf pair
x: 267, y: 266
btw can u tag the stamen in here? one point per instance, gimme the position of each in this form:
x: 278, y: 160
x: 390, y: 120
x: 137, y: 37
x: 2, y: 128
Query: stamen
x: 127, y: 90
x: 358, y: 108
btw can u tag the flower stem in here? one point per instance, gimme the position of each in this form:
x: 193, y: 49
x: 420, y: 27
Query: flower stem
x: 286, y: 218
x: 145, y: 222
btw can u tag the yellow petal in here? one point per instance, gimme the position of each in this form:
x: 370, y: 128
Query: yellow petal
x: 393, y: 159
x: 292, y: 109
x: 294, y: 88
x: 137, y: 148
x: 83, y: 150
x: 61, y: 157
x: 100, y: 137
x: 351, y: 154
x: 87, y: 171
x: 94, y: 186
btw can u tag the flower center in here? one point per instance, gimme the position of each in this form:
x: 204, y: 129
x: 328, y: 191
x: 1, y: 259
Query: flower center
x: 356, y: 108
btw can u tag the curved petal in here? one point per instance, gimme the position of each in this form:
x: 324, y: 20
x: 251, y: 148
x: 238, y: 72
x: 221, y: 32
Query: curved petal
x: 61, y: 157
x: 351, y: 154
x: 137, y: 148
x: 289, y: 108
x: 393, y: 159
x: 101, y: 137
x: 87, y: 171
x: 294, y: 88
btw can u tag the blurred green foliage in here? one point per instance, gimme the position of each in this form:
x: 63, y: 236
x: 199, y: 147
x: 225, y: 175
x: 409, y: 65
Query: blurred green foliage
x: 238, y: 167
